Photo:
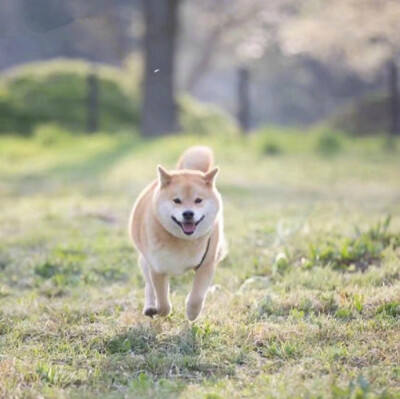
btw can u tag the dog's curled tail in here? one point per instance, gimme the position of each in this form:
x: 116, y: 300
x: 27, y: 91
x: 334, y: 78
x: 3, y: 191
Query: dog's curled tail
x: 197, y: 158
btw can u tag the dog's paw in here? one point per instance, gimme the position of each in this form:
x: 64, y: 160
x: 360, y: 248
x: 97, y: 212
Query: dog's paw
x: 193, y: 309
x: 150, y: 311
x: 164, y: 310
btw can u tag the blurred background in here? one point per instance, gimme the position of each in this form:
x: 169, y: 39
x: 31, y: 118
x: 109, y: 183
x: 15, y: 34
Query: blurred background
x: 161, y: 67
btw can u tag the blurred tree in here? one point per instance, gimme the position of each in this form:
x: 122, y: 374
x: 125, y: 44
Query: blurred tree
x: 97, y: 30
x: 239, y: 31
x: 159, y: 110
x: 241, y: 28
x: 362, y: 35
x: 222, y: 19
x: 57, y: 13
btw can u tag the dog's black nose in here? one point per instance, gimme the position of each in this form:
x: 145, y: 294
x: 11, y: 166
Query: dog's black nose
x: 187, y: 215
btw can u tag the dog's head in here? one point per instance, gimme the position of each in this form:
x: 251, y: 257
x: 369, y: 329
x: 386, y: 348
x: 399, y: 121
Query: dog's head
x: 187, y: 202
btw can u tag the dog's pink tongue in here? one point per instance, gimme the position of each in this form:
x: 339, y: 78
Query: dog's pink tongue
x: 188, y: 227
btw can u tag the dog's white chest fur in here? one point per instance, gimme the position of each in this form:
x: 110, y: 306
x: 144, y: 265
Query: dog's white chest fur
x: 174, y: 261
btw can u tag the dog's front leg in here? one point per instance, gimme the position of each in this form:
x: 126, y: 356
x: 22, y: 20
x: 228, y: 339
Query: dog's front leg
x: 149, y: 297
x: 202, y: 280
x: 161, y: 288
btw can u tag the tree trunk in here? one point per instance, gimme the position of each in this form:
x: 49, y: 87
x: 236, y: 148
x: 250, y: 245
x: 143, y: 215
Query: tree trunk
x: 394, y: 101
x: 243, y: 93
x: 159, y: 110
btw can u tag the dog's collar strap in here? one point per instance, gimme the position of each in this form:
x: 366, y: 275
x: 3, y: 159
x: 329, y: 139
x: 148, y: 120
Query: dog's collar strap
x: 205, y: 254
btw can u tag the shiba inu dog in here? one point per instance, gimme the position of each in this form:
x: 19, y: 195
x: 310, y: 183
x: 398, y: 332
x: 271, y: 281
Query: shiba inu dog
x: 177, y: 225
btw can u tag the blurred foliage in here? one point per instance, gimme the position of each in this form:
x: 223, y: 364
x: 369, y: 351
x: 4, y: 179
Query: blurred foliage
x: 367, y: 116
x: 271, y: 148
x: 50, y: 134
x: 323, y: 141
x: 204, y: 119
x: 329, y: 143
x: 57, y: 92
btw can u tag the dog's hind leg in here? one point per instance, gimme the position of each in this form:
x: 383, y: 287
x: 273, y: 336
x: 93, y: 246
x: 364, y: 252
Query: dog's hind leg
x: 150, y: 298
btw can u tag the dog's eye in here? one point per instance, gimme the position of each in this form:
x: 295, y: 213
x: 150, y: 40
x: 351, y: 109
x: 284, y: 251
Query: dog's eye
x: 198, y: 201
x: 177, y: 201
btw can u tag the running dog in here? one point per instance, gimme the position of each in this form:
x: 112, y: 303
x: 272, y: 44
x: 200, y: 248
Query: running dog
x: 177, y: 225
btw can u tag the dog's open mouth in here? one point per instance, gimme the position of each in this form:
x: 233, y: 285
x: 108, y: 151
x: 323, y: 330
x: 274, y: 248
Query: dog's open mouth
x: 188, y: 227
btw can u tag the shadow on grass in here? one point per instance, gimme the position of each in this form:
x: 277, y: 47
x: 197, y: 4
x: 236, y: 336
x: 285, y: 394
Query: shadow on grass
x: 83, y: 171
x: 95, y: 165
x: 143, y: 358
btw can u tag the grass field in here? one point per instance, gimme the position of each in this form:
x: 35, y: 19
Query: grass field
x: 307, y: 303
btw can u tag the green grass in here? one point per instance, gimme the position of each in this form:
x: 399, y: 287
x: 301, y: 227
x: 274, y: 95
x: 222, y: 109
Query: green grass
x: 305, y: 305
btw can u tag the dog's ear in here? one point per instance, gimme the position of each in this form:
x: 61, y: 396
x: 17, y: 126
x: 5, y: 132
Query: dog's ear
x: 210, y: 176
x: 163, y: 176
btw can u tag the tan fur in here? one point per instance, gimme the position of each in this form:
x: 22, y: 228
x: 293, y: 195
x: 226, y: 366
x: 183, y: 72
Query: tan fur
x: 164, y: 244
x: 196, y: 158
